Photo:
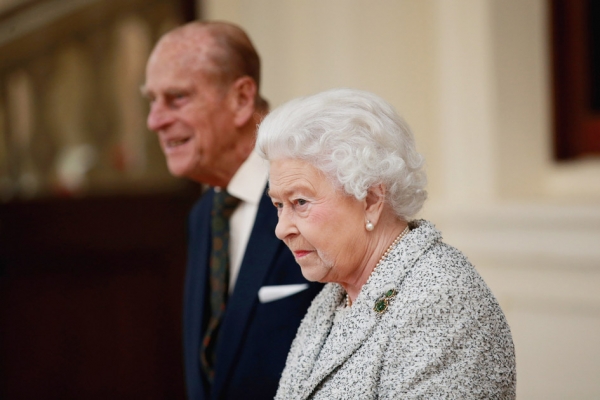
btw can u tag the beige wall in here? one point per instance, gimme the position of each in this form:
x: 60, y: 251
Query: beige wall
x: 472, y: 79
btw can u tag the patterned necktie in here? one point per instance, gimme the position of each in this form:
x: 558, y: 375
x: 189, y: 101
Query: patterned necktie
x: 223, y: 206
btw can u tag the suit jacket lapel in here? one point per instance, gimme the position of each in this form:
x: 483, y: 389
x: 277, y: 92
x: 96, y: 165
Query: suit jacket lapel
x: 196, y: 286
x: 260, y: 252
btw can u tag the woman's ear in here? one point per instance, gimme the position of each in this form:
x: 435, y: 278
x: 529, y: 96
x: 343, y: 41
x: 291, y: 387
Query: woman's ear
x: 374, y: 203
x: 244, y: 92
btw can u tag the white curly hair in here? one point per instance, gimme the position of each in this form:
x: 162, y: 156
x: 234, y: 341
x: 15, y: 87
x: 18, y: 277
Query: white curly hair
x: 356, y: 139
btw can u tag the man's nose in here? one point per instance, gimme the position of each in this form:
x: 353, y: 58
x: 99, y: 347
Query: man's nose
x: 158, y: 117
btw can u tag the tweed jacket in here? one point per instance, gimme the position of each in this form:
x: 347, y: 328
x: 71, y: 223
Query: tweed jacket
x: 442, y: 336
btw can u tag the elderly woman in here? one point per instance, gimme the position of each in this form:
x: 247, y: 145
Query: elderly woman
x: 403, y: 315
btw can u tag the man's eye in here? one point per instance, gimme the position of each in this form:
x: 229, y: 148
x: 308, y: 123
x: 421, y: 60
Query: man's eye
x: 176, y: 99
x: 278, y: 205
x: 301, y: 202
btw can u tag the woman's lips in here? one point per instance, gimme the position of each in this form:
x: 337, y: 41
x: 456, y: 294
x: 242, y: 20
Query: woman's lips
x: 301, y: 253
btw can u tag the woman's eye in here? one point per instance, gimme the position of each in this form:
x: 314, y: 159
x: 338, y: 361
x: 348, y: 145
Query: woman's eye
x: 301, y: 202
x: 278, y: 205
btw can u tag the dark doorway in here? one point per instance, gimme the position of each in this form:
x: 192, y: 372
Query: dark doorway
x: 90, y: 297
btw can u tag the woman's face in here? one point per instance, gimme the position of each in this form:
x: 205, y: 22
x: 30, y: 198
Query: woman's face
x: 323, y: 227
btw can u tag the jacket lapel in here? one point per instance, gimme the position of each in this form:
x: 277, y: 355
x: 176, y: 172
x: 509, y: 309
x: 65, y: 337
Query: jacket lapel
x: 341, y: 341
x: 196, y: 286
x: 260, y: 252
x: 310, y: 338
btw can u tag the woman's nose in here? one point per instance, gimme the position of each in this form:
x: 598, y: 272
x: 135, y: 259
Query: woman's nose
x: 285, y: 226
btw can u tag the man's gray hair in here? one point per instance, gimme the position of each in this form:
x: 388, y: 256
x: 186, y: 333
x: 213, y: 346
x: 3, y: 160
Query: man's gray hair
x: 356, y: 139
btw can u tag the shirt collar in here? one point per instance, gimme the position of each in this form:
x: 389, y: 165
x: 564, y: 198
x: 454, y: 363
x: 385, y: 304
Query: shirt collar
x: 249, y: 182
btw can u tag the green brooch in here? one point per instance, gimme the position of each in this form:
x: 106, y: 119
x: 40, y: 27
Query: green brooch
x: 382, y: 303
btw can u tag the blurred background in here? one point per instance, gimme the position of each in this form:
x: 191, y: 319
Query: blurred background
x: 503, y: 97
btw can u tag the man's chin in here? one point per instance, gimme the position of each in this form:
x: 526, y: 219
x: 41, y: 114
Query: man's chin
x: 178, y: 170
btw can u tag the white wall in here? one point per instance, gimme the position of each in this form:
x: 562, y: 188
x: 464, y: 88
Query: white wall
x: 472, y: 78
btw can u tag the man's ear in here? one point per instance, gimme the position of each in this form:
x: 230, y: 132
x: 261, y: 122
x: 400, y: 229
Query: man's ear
x: 374, y: 203
x: 243, y: 93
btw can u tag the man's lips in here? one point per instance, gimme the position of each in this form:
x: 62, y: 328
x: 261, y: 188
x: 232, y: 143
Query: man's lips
x: 172, y: 143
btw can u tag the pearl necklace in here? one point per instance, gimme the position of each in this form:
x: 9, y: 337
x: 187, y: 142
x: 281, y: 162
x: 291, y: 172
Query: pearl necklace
x: 389, y: 249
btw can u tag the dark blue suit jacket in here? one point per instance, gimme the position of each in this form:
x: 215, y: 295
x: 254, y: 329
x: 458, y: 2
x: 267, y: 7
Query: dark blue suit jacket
x: 254, y: 338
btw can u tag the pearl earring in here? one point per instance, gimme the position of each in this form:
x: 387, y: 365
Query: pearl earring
x: 369, y: 226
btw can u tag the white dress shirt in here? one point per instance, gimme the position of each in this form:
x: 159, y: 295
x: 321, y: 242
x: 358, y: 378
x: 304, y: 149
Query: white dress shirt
x: 248, y: 184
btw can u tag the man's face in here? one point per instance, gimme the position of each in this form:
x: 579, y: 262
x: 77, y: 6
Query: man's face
x: 191, y: 115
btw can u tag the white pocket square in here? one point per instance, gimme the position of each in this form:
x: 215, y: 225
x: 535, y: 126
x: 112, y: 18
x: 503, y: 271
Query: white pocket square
x: 272, y: 293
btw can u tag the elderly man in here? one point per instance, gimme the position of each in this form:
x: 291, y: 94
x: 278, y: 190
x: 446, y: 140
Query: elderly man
x: 244, y: 293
